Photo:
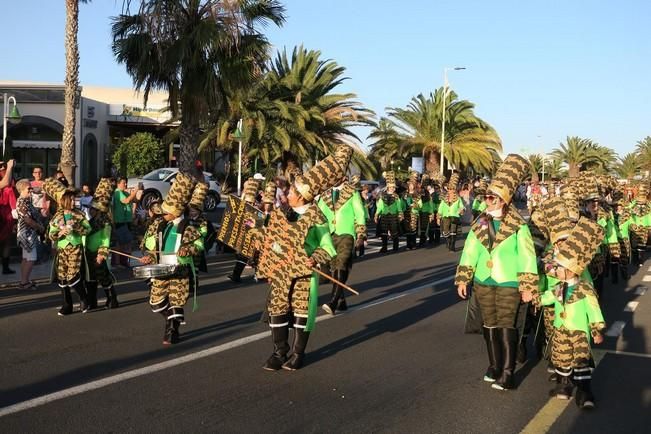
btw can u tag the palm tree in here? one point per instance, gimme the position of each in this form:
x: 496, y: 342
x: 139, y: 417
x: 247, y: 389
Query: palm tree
x: 604, y: 160
x: 554, y: 169
x: 578, y: 153
x: 470, y: 142
x: 386, y: 145
x: 643, y: 151
x: 536, y: 165
x: 194, y: 50
x: 67, y: 162
x: 628, y: 166
x: 294, y: 113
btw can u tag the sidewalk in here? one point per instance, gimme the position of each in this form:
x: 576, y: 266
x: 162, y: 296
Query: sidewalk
x: 41, y: 272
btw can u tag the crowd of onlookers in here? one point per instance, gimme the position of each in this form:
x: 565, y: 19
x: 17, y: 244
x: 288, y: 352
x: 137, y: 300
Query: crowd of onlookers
x: 25, y: 212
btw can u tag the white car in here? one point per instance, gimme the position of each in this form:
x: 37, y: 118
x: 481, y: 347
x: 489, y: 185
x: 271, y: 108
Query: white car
x: 157, y: 183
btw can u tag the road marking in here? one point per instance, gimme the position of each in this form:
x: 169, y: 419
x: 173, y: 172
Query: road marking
x: 641, y: 290
x: 616, y: 329
x: 602, y: 353
x: 646, y: 278
x: 118, y: 378
x: 649, y: 269
x: 630, y: 306
x: 546, y: 416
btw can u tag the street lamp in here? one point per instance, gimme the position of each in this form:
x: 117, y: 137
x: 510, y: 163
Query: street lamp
x: 238, y: 135
x: 445, y: 93
x: 12, y: 116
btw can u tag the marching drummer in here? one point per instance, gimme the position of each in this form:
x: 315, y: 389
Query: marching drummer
x: 170, y: 240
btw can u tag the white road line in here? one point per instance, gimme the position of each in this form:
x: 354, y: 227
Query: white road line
x: 649, y: 269
x: 646, y: 278
x: 616, y: 329
x: 641, y: 290
x: 631, y: 306
x: 113, y: 379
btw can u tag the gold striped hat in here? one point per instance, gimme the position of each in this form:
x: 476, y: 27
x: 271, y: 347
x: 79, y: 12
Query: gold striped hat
x: 513, y: 170
x: 179, y: 195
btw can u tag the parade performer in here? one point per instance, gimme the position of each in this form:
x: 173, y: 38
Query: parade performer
x: 499, y: 260
x: 290, y: 246
x: 640, y: 223
x: 426, y: 212
x: 98, y: 241
x: 622, y: 222
x: 169, y: 239
x: 450, y: 211
x: 577, y: 313
x: 389, y: 213
x: 435, y: 192
x: 551, y: 219
x: 67, y: 229
x: 249, y: 193
x: 343, y: 208
x: 610, y: 244
x: 411, y: 210
x: 197, y: 219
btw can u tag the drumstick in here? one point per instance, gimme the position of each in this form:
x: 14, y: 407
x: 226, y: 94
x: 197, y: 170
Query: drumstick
x: 332, y: 279
x: 117, y: 252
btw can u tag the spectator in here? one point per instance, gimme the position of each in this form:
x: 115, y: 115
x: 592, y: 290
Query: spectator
x: 85, y: 199
x: 29, y: 229
x: 62, y: 178
x: 7, y: 210
x: 282, y: 189
x: 42, y: 204
x: 122, y: 217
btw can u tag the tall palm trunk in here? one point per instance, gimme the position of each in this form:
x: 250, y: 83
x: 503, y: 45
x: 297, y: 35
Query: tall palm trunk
x: 189, y: 136
x: 573, y: 170
x: 432, y: 162
x: 67, y: 163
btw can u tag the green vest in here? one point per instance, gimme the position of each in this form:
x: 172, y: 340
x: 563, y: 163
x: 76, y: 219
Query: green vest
x: 502, y: 265
x: 351, y: 214
x: 99, y: 238
x: 576, y: 313
x: 454, y: 209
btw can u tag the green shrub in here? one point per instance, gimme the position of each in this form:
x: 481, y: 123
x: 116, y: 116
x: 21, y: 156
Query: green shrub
x: 139, y: 154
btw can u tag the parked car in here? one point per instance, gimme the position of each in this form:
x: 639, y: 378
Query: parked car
x: 157, y: 183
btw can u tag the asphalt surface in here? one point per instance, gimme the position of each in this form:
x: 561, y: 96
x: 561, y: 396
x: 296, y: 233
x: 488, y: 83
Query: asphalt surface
x: 397, y: 361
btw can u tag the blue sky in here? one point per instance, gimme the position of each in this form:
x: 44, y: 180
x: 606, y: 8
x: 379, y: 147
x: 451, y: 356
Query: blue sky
x: 538, y: 71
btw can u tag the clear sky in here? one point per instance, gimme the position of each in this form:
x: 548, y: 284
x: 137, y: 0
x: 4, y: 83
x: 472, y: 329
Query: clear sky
x: 537, y: 70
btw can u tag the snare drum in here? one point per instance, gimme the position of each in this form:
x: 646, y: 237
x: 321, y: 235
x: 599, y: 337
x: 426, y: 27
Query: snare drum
x: 154, y: 270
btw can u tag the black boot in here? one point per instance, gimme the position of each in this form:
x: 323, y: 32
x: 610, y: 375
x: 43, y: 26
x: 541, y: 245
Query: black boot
x: 624, y: 270
x: 111, y: 298
x: 168, y: 331
x: 494, y: 350
x: 584, y: 397
x: 396, y: 243
x: 361, y: 250
x: 66, y: 309
x: 423, y: 240
x: 341, y: 301
x: 236, y: 274
x: 453, y: 243
x: 5, y: 267
x: 83, y: 297
x: 509, y: 339
x: 385, y: 242
x: 295, y: 361
x: 522, y: 350
x: 614, y: 272
x: 279, y: 336
x: 337, y: 292
x: 437, y: 236
x: 564, y: 387
x: 640, y: 257
x: 91, y: 293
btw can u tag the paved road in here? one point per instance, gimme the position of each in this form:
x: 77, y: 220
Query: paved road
x: 396, y: 362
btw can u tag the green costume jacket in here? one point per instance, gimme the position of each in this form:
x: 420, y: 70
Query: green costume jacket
x: 454, y: 209
x: 98, y: 239
x: 345, y: 211
x: 606, y: 221
x: 510, y: 261
x: 396, y: 207
x: 578, y: 309
x: 76, y: 220
x: 479, y: 205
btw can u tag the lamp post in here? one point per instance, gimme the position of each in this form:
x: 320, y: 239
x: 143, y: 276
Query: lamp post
x: 238, y: 135
x: 12, y: 116
x: 445, y: 93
